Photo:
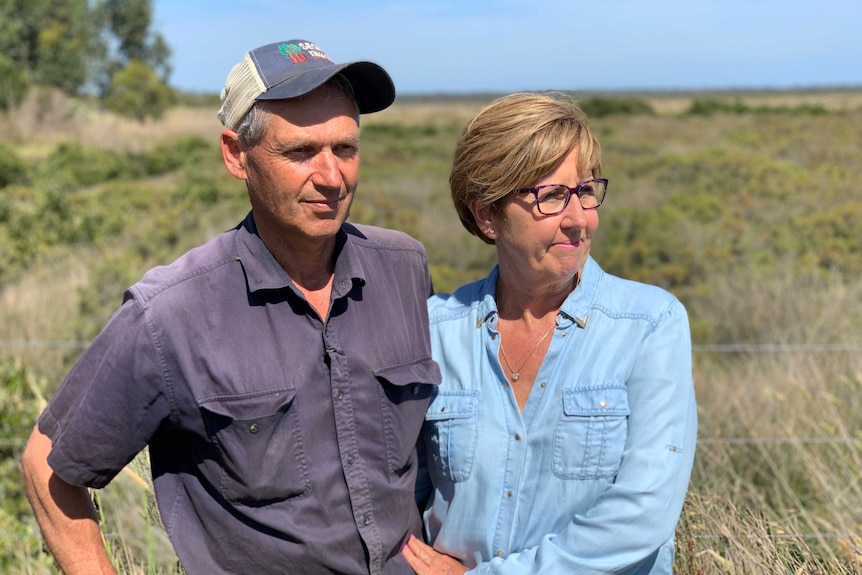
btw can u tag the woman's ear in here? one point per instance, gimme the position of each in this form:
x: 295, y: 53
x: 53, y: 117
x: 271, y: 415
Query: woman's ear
x: 233, y: 154
x: 484, y: 219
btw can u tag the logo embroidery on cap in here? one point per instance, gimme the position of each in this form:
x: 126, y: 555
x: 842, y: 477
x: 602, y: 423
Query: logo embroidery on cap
x: 295, y: 52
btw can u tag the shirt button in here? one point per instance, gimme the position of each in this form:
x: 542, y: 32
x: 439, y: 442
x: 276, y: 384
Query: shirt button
x: 253, y: 428
x: 500, y: 553
x: 603, y: 404
x: 340, y: 395
x: 349, y: 460
x: 366, y: 520
x: 517, y: 437
x: 508, y: 494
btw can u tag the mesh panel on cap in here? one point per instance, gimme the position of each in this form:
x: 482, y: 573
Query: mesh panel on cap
x: 242, y: 87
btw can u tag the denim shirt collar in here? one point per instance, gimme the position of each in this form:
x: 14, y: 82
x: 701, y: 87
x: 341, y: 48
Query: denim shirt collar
x: 574, y: 310
x: 263, y: 272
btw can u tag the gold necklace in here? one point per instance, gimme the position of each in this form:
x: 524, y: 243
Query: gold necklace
x: 516, y: 373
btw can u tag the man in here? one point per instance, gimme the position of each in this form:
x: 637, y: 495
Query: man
x: 278, y: 374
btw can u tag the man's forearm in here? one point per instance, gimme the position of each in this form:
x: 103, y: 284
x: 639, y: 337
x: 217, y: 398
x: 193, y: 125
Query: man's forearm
x: 64, y: 512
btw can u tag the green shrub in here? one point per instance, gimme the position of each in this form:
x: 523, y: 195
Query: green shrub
x: 711, y: 106
x: 184, y: 151
x: 78, y: 165
x: 138, y: 92
x: 599, y: 107
x: 21, y: 401
x: 13, y: 170
x: 13, y: 83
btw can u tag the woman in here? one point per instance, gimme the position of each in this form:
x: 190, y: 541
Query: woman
x: 562, y: 437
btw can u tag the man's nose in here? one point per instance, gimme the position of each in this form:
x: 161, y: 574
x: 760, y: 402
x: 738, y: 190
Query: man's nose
x: 326, y: 170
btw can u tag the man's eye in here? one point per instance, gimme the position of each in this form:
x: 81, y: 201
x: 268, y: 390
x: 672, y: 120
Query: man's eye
x: 346, y: 150
x: 300, y: 153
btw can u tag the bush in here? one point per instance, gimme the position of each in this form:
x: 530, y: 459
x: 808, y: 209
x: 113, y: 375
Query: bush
x: 185, y: 151
x: 13, y: 84
x: 12, y: 167
x: 20, y: 403
x: 711, y: 106
x: 601, y: 107
x: 75, y: 164
x: 138, y: 92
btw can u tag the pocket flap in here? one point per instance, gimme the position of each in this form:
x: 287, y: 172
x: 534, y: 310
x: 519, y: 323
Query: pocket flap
x: 422, y: 371
x: 453, y: 405
x: 605, y: 400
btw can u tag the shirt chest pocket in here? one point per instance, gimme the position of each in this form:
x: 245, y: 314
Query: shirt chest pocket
x: 451, y: 432
x: 257, y: 454
x: 590, y: 435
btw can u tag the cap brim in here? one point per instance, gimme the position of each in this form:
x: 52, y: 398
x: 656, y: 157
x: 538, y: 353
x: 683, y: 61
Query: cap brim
x: 373, y: 89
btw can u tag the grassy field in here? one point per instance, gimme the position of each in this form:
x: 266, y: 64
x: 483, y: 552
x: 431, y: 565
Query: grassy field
x: 746, y: 205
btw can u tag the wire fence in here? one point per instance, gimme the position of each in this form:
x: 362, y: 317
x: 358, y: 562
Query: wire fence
x: 709, y: 348
x: 738, y: 348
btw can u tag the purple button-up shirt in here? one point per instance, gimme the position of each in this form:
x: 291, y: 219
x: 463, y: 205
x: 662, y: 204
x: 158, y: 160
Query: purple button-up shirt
x: 279, y: 443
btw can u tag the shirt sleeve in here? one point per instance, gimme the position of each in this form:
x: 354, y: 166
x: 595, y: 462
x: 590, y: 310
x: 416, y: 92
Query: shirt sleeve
x: 110, y: 404
x: 639, y: 511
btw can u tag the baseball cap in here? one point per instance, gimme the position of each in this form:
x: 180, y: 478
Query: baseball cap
x: 293, y: 68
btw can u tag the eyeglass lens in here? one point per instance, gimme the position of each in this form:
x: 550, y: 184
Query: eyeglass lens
x: 553, y: 199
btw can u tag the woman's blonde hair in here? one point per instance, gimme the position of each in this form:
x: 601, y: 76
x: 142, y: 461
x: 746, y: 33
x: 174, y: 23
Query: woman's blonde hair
x: 513, y: 143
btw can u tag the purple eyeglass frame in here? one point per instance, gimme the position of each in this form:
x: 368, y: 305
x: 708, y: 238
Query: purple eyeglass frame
x: 572, y: 191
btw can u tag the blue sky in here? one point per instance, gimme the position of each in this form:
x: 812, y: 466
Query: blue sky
x: 464, y: 46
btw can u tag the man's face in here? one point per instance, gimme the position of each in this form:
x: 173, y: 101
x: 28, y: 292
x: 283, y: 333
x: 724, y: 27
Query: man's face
x: 302, y: 175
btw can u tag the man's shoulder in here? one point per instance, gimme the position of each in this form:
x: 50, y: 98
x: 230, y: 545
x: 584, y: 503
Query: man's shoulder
x: 376, y: 238
x: 195, y: 263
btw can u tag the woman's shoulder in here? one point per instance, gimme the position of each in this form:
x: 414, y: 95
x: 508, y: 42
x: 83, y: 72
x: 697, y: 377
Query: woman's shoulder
x: 462, y: 302
x: 621, y: 296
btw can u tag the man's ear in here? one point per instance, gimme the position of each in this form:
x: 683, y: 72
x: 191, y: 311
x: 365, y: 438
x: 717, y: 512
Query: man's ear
x: 233, y: 154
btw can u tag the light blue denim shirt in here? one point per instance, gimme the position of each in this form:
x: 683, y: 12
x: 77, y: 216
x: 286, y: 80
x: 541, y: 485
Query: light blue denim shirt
x: 591, y: 476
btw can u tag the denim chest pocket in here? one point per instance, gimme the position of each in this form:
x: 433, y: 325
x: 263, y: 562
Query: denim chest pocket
x: 258, y: 456
x: 591, y: 433
x: 452, y: 421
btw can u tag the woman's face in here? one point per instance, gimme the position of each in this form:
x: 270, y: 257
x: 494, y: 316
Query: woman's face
x: 544, y: 251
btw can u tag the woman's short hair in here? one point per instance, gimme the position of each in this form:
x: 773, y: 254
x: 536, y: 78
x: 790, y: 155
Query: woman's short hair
x: 251, y: 128
x: 513, y: 143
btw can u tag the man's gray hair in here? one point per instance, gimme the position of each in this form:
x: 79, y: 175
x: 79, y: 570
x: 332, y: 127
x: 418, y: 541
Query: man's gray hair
x: 252, y: 127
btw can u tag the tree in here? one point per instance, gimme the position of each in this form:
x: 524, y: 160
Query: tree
x: 128, y: 23
x: 51, y: 41
x: 137, y: 92
x: 81, y: 46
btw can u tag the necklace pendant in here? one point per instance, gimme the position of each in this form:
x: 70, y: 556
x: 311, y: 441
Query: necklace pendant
x: 515, y: 376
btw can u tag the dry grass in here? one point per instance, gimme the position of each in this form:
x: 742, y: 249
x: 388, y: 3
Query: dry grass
x: 776, y: 485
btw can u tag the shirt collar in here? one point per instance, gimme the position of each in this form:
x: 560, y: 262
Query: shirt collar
x: 263, y: 272
x: 575, y: 308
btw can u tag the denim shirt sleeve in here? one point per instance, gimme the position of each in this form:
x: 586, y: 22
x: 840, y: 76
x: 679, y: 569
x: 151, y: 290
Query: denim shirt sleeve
x: 637, y: 514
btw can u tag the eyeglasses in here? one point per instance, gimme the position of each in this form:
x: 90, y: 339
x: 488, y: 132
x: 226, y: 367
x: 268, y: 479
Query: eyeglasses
x: 552, y: 199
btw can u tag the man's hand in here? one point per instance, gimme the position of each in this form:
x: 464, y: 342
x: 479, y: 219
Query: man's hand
x: 425, y: 561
